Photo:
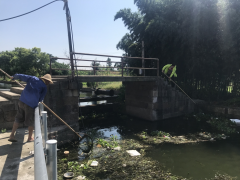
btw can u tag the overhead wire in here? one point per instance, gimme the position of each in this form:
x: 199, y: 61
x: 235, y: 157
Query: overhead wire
x: 29, y: 11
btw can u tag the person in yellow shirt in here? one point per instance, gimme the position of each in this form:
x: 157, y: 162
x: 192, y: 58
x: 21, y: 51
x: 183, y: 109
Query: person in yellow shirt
x: 170, y: 70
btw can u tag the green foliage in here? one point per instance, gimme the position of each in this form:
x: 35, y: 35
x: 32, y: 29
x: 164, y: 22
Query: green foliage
x: 29, y: 61
x: 219, y: 124
x: 111, y: 144
x: 3, y: 130
x: 223, y: 125
x: 109, y: 63
x: 121, y: 94
x: 144, y: 133
x: 160, y: 134
x: 58, y: 65
x: 200, y: 37
x: 73, y: 166
x: 25, y: 61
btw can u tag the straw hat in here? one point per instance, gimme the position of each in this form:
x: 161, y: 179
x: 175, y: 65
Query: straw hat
x: 47, y: 77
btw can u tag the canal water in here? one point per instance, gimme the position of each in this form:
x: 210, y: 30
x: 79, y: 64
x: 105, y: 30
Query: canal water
x: 198, y: 160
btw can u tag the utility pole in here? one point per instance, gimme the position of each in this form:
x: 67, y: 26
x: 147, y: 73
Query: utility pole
x: 68, y: 18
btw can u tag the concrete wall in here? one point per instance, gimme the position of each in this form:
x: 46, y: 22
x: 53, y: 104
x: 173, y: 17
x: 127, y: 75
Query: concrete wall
x: 231, y: 112
x: 7, y: 116
x: 155, y: 100
x: 62, y: 98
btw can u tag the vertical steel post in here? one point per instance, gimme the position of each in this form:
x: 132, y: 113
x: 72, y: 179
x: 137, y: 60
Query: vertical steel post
x: 51, y: 66
x: 68, y: 18
x: 143, y: 58
x: 94, y: 68
x: 51, y: 162
x: 122, y: 66
x: 41, y: 108
x: 45, y: 133
x: 40, y: 170
x: 157, y: 67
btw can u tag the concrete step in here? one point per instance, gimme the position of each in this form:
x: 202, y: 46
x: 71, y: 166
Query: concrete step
x: 17, y: 90
x: 10, y: 95
x: 4, y: 101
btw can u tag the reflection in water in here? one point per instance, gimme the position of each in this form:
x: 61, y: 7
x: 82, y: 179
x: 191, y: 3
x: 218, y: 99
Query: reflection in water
x: 89, y: 94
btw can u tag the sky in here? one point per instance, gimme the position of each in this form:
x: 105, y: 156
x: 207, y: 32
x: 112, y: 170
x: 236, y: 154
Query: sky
x: 94, y: 28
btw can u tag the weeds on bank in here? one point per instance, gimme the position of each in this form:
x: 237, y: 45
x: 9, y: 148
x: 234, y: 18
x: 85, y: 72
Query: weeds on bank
x: 111, y: 144
x: 219, y: 124
x: 160, y: 133
x: 3, y: 130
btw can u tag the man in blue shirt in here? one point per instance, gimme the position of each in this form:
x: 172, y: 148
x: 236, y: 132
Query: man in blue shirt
x: 33, y: 93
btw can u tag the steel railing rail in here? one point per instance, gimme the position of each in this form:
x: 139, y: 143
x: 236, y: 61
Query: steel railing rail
x: 40, y: 170
x: 43, y: 148
x: 122, y: 62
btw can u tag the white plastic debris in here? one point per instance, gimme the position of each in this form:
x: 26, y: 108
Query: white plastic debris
x: 133, y: 153
x: 81, y: 177
x: 117, y: 148
x: 94, y: 163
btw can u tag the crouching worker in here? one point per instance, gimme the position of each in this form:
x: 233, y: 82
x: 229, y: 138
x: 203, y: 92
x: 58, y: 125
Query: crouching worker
x: 170, y: 70
x: 33, y: 93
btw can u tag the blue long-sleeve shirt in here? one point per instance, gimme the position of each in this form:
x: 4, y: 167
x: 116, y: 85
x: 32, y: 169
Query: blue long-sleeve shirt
x: 35, y: 90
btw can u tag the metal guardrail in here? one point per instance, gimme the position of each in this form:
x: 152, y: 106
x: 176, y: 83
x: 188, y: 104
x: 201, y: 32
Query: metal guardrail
x: 122, y: 63
x: 45, y: 151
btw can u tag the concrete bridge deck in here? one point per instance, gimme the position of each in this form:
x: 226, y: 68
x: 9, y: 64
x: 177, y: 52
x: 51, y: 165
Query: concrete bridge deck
x: 15, y: 160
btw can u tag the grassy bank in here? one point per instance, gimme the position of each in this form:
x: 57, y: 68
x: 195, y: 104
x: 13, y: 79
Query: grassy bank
x: 103, y: 85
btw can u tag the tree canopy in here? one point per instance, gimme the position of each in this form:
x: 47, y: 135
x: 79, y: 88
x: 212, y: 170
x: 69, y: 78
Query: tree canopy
x: 200, y: 37
x: 29, y: 61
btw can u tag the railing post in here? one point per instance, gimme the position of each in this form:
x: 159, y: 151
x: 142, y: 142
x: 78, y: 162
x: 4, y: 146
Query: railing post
x: 94, y: 68
x: 51, y: 66
x: 44, y: 129
x: 40, y: 170
x: 157, y: 67
x: 122, y: 66
x: 51, y: 146
x: 41, y: 108
x: 143, y: 58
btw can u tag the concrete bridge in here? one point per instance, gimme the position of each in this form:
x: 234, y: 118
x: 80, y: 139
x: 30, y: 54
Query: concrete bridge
x: 150, y: 98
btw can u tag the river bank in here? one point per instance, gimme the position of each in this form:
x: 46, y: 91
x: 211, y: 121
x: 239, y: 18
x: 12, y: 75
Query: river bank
x: 128, y: 133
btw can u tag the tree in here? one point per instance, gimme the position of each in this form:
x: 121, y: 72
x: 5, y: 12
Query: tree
x: 58, y: 65
x: 29, y: 61
x: 25, y: 61
x: 193, y: 34
x: 109, y: 63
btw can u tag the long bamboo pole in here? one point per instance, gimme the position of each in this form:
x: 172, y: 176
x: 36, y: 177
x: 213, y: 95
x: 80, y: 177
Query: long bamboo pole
x: 45, y: 106
x: 179, y: 88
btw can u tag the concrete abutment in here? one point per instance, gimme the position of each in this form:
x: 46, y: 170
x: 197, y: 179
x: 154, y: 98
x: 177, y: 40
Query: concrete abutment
x: 155, y: 100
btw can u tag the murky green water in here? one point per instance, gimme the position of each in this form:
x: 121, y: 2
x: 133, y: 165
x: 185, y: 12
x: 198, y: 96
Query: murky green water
x: 201, y: 160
